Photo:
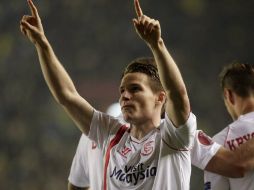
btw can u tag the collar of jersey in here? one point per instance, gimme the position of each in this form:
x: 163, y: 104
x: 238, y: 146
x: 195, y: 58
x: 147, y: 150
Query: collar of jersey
x: 133, y: 139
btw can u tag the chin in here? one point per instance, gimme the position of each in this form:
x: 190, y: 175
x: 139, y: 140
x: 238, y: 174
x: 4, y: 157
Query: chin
x: 127, y: 118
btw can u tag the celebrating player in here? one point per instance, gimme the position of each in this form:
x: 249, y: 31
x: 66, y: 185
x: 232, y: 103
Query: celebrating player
x: 237, y: 82
x: 147, y: 153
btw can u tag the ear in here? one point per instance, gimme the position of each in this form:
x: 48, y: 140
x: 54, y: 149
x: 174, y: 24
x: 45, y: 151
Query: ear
x: 161, y: 97
x: 229, y: 95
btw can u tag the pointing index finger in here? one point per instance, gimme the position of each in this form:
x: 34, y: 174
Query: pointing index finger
x: 138, y: 8
x: 33, y: 9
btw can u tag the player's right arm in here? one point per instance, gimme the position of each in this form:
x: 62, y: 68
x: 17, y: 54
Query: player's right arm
x: 233, y: 163
x: 226, y: 163
x: 57, y: 79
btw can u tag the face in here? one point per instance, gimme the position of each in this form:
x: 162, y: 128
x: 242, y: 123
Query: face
x: 137, y: 100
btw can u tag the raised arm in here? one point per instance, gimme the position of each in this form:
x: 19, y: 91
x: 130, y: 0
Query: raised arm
x: 233, y: 163
x: 177, y: 106
x: 57, y: 79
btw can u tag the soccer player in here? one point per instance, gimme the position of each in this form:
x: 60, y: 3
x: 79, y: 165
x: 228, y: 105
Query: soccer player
x: 237, y: 82
x: 147, y: 153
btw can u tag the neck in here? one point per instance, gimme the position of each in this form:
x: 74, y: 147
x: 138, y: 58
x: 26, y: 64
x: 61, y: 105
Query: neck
x: 246, y: 105
x: 140, y: 130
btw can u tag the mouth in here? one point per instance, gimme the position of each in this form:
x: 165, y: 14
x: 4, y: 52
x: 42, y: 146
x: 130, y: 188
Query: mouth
x: 126, y: 107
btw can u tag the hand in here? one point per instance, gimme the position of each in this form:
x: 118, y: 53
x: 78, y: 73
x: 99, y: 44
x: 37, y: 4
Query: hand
x: 147, y: 28
x: 30, y: 25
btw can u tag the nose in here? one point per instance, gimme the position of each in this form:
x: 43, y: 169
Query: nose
x: 125, y: 96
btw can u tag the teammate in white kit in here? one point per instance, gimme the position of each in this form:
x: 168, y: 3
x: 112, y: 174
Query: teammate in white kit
x: 87, y: 166
x: 148, y: 153
x: 237, y: 82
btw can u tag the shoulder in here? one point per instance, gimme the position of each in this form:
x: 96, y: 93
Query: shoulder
x: 222, y: 135
x: 84, y: 139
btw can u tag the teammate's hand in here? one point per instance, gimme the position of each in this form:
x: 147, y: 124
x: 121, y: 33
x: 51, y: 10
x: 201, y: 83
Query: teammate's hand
x: 30, y: 25
x: 147, y: 28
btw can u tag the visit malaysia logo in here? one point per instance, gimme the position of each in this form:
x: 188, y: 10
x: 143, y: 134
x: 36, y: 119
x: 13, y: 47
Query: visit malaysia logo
x: 133, y: 174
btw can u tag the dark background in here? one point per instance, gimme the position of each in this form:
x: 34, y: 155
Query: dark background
x: 95, y: 39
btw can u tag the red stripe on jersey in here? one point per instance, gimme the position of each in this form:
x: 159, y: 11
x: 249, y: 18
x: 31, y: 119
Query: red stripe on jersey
x: 112, y: 143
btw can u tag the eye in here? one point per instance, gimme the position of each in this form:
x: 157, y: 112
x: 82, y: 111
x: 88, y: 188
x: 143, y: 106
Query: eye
x: 135, y: 89
x: 121, y: 90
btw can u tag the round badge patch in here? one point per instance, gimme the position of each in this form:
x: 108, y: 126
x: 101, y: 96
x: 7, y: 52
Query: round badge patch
x: 204, y: 138
x: 147, y: 148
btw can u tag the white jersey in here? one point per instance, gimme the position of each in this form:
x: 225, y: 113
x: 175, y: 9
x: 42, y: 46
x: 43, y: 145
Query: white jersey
x: 84, y: 174
x: 237, y: 133
x: 160, y: 160
x: 204, y: 148
x: 86, y: 168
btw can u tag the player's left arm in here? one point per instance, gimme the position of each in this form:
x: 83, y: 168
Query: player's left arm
x: 177, y: 105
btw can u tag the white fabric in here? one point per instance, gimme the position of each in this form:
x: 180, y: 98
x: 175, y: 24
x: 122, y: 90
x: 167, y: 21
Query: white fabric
x: 79, y: 175
x: 237, y: 133
x: 86, y: 168
x: 160, y: 160
x: 201, y: 152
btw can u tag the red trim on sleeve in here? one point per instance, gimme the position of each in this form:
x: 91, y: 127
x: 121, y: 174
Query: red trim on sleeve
x: 112, y: 143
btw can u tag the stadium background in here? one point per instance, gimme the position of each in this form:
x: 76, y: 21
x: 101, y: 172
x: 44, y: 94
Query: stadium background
x: 95, y: 39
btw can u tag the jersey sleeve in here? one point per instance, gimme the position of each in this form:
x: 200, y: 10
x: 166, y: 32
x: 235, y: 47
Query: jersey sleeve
x: 79, y: 174
x: 181, y: 137
x: 204, y: 148
x: 102, y: 127
x: 215, y: 182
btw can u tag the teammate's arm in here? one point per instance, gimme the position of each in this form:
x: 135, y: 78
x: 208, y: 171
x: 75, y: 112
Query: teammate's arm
x: 58, y: 81
x: 233, y: 163
x: 73, y: 187
x: 177, y: 106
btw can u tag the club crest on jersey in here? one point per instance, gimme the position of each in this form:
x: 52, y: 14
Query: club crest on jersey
x: 147, y: 148
x: 204, y: 138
